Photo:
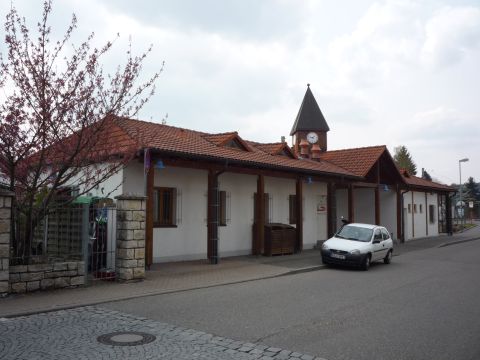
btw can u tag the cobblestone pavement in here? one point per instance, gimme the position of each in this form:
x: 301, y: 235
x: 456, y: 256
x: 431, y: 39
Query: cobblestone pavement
x: 72, y: 334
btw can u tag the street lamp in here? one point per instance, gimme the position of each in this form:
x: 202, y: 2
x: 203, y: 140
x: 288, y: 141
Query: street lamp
x: 461, y: 199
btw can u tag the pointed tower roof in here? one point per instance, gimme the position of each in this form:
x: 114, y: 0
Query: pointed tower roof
x: 310, y: 117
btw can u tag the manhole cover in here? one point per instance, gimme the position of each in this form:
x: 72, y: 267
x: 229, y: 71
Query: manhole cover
x: 126, y: 338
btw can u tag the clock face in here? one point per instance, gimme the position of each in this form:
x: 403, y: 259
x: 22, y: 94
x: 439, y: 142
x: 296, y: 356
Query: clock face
x: 312, y: 138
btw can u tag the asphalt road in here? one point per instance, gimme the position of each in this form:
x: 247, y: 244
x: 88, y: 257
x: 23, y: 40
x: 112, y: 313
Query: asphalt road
x: 425, y: 305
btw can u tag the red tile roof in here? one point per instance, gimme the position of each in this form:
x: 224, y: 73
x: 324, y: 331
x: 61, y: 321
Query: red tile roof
x: 219, y: 139
x: 415, y: 181
x: 189, y: 142
x: 358, y: 160
x: 126, y: 133
x: 272, y: 148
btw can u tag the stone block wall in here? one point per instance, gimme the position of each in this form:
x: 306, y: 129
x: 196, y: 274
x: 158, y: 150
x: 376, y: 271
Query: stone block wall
x: 5, y: 216
x: 27, y: 278
x: 130, y: 257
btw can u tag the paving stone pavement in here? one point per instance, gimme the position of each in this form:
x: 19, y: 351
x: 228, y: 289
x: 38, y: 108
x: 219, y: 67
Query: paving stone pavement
x: 72, y: 334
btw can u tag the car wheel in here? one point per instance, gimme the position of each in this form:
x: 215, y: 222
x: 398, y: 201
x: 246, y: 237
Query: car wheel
x: 388, y: 258
x: 366, y: 263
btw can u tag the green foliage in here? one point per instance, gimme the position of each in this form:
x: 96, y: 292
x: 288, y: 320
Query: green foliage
x: 404, y: 160
x: 472, y: 189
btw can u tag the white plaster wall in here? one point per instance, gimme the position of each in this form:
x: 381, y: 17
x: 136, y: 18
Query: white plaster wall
x: 111, y: 187
x: 432, y: 199
x: 188, y: 240
x: 236, y: 237
x: 314, y: 222
x: 134, y: 180
x: 342, y: 205
x: 388, y: 211
x: 365, y: 206
x: 279, y: 190
x: 408, y: 218
x: 420, y: 220
x: 420, y: 229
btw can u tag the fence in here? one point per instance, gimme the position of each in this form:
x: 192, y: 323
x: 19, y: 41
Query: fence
x: 80, y: 232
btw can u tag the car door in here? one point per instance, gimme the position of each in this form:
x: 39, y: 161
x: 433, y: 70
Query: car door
x: 387, y: 242
x: 377, y: 245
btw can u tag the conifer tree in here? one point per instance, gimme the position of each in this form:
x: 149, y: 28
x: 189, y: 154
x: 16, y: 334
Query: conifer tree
x: 404, y: 160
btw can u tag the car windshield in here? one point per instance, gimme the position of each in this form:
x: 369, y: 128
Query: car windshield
x: 355, y: 233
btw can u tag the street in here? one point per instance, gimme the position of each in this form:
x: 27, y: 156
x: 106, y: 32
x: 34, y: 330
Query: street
x: 425, y: 305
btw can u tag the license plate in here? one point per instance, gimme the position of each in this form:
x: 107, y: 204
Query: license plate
x: 337, y: 256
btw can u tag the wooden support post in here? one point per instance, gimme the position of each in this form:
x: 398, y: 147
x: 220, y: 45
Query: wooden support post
x: 426, y: 214
x: 149, y: 218
x: 448, y: 214
x: 299, y: 215
x: 212, y: 221
x: 331, y: 209
x: 413, y: 215
x: 351, y: 203
x: 399, y: 212
x: 377, y: 196
x: 259, y: 229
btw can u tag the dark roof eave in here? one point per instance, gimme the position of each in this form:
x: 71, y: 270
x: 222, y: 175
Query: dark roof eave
x: 428, y: 188
x: 254, y: 164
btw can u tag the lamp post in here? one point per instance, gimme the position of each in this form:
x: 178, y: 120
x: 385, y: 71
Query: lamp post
x: 461, y: 199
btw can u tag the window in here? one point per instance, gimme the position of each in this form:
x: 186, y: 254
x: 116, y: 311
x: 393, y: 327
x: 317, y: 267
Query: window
x: 421, y: 208
x: 292, y: 209
x: 266, y: 206
x: 409, y: 208
x: 164, y: 206
x: 415, y: 208
x: 385, y: 234
x: 378, y: 235
x: 431, y: 213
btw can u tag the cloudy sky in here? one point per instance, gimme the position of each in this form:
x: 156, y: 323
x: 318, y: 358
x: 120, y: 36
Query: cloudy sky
x: 383, y: 72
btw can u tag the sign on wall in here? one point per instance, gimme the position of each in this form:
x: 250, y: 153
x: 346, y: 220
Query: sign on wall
x: 321, y: 204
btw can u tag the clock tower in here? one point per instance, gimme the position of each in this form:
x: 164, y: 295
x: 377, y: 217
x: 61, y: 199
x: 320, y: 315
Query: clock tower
x: 310, y: 125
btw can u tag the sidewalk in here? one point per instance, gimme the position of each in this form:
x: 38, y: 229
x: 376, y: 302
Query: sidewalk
x: 189, y: 275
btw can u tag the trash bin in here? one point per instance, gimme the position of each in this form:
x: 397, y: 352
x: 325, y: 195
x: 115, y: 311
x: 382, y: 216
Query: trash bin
x: 279, y: 239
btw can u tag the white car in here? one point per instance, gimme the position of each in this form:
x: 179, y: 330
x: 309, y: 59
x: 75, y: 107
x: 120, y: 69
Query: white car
x: 358, y: 245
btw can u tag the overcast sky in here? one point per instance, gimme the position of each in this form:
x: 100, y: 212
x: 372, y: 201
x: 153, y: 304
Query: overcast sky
x: 383, y: 72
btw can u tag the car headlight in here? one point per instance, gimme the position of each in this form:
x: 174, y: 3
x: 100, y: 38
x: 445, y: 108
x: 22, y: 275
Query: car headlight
x: 355, y: 252
x: 325, y: 246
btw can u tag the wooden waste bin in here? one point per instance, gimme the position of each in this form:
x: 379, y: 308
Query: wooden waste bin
x: 279, y: 239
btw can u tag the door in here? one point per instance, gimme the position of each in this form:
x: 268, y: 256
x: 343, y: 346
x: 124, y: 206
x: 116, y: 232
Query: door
x: 377, y: 247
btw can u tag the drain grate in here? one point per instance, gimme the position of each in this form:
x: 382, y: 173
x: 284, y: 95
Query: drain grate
x: 126, y: 338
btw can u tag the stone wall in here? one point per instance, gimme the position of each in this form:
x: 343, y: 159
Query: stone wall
x: 5, y: 216
x: 130, y: 257
x: 27, y: 278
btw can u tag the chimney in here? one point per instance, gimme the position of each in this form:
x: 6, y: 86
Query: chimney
x: 282, y: 139
x: 304, y: 145
x: 316, y: 152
